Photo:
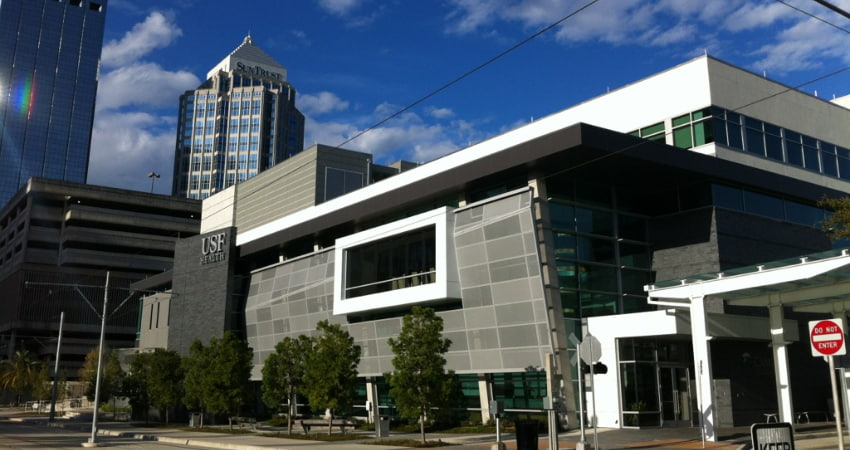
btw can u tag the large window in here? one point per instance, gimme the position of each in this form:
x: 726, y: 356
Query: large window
x: 653, y: 132
x: 770, y: 141
x: 400, y: 261
x: 339, y: 182
x: 693, y: 129
x: 602, y: 253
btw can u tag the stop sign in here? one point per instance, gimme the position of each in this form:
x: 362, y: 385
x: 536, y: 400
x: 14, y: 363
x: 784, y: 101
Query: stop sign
x: 827, y: 337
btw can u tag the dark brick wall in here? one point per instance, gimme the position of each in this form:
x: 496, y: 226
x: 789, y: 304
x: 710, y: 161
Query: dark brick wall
x: 713, y: 240
x: 684, y: 244
x: 745, y: 239
x: 202, y: 304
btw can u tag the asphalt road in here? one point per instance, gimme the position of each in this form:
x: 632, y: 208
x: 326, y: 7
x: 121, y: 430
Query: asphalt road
x: 23, y: 436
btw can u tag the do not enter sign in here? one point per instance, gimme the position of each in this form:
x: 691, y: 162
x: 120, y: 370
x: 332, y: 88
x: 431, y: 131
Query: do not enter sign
x: 827, y: 337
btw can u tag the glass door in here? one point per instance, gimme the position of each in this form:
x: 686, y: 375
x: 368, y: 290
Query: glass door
x: 675, y: 392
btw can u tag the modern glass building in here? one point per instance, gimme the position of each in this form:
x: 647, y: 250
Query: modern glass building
x: 527, y: 242
x: 238, y: 123
x: 49, y: 61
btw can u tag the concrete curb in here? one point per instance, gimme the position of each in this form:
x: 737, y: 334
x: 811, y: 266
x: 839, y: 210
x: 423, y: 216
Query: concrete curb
x: 185, y: 441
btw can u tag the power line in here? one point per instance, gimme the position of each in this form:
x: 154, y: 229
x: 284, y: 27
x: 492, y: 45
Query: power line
x: 470, y: 72
x: 813, y: 16
x: 834, y: 8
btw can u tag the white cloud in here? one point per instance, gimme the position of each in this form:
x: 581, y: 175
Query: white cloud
x: 143, y: 84
x: 440, y: 113
x: 157, y: 31
x: 804, y: 46
x: 469, y: 15
x: 406, y: 137
x: 126, y: 147
x: 798, y: 42
x: 339, y: 7
x: 131, y: 136
x: 751, y: 16
x: 321, y: 103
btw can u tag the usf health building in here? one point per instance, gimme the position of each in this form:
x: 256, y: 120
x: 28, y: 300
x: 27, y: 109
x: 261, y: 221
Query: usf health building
x: 550, y: 230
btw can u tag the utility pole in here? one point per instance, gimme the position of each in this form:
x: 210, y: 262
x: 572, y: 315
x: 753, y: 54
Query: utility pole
x: 93, y: 439
x: 56, y: 370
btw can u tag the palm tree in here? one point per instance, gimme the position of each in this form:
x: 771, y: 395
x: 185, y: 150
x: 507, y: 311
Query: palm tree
x: 20, y: 374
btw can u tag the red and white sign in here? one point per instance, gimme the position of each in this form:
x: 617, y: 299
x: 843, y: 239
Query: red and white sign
x: 827, y: 337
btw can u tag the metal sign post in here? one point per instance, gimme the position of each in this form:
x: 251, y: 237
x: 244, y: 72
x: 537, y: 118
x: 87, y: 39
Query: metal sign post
x: 827, y: 339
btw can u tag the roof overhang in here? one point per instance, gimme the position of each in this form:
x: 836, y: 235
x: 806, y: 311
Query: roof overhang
x: 570, y: 148
x: 818, y: 283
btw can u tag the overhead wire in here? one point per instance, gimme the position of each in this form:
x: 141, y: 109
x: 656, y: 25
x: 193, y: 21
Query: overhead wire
x: 738, y: 108
x: 833, y: 7
x: 470, y: 72
x: 735, y: 109
x: 812, y: 15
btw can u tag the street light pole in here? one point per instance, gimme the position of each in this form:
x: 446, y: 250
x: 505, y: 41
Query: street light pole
x: 56, y: 370
x: 93, y: 439
x: 153, y: 176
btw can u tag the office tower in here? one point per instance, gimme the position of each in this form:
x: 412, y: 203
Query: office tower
x: 49, y: 59
x: 239, y: 122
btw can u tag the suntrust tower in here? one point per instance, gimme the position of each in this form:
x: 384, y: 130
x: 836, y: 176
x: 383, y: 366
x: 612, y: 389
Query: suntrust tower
x: 527, y: 238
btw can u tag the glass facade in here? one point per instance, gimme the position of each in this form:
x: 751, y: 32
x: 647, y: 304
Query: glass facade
x: 602, y: 253
x: 242, y: 115
x: 50, y: 51
x: 752, y: 136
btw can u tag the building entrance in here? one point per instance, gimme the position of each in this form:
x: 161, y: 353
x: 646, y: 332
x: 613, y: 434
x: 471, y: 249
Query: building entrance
x: 655, y: 383
x: 674, y: 386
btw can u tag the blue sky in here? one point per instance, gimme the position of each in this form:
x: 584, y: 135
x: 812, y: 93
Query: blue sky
x: 355, y: 62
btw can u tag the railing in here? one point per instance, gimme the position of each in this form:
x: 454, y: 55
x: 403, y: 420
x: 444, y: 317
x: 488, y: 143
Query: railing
x: 405, y: 281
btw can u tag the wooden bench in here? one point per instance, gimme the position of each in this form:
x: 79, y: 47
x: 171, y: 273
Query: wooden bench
x: 306, y: 424
x: 245, y: 421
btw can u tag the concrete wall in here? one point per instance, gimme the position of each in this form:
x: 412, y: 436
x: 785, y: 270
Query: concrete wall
x: 153, y: 324
x: 293, y: 185
x: 219, y: 210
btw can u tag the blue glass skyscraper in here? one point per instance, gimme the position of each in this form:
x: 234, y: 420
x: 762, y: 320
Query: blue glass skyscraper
x: 49, y: 60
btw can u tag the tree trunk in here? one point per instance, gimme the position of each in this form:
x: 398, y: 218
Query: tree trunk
x: 422, y: 427
x: 289, y: 413
x: 330, y: 421
x: 230, y: 421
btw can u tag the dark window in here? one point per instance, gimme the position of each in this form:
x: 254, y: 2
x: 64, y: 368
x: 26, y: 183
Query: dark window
x: 397, y: 262
x: 339, y: 182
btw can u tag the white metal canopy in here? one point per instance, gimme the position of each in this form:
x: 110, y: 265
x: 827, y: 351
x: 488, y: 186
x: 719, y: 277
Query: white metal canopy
x: 817, y: 283
x: 814, y: 283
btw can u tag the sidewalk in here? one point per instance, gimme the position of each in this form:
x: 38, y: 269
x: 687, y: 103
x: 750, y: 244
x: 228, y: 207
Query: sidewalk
x: 807, y: 436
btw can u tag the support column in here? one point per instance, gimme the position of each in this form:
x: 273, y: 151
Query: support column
x: 702, y: 368
x: 485, y: 394
x: 562, y: 369
x: 372, y: 400
x: 780, y: 364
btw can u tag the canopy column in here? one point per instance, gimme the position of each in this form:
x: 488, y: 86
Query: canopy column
x: 780, y: 363
x: 702, y: 367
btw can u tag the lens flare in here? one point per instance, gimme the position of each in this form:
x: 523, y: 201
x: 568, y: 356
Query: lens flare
x: 23, y: 97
